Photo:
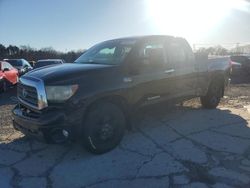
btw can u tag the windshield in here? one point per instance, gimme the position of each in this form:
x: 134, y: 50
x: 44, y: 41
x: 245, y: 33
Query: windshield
x: 15, y: 62
x: 109, y: 52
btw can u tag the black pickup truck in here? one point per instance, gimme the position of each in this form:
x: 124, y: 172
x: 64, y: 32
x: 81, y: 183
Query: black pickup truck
x: 94, y: 97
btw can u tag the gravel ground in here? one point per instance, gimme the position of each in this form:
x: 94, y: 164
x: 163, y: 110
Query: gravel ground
x: 178, y: 146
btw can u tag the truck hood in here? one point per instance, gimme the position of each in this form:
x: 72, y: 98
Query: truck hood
x: 65, y: 72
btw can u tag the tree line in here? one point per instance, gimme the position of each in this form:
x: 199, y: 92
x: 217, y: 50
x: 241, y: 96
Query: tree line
x: 216, y: 50
x: 219, y: 50
x: 32, y: 54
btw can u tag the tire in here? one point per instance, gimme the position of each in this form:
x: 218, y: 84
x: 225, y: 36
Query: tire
x: 103, y: 128
x: 213, y: 96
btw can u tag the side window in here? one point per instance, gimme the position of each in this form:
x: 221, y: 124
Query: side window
x: 181, y: 55
x: 177, y: 54
x: 189, y: 53
x: 152, y: 57
x: 106, y: 53
x: 122, y: 51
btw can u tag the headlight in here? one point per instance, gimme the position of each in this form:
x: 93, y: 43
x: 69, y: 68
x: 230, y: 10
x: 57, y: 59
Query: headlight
x: 60, y: 93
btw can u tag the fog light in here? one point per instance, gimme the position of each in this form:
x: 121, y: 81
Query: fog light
x: 65, y: 133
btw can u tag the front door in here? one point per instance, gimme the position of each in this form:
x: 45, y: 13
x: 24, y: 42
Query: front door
x: 151, y: 82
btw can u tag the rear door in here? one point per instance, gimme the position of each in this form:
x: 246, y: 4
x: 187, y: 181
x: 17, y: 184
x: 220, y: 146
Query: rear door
x: 182, y: 59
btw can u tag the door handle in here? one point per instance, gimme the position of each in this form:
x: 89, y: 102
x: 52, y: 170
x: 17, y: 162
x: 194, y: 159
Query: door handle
x: 127, y: 79
x: 169, y: 71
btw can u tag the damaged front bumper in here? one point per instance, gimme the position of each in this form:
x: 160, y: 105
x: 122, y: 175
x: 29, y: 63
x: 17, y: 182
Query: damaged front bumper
x: 51, y: 126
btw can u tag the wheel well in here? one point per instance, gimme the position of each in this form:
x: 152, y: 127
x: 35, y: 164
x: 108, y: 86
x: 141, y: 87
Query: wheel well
x: 117, y: 100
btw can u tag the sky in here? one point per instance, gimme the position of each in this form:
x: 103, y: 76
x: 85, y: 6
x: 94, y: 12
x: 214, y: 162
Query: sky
x: 78, y: 24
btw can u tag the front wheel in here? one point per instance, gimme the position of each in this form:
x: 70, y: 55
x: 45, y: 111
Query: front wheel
x: 212, y: 99
x: 103, y: 128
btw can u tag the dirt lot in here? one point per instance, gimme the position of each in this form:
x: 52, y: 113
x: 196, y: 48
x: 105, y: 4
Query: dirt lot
x: 181, y: 146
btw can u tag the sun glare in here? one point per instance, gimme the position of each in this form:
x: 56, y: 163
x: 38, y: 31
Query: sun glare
x: 189, y: 18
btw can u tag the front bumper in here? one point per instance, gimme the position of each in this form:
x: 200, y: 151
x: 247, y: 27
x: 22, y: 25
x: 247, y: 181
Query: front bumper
x: 48, y: 126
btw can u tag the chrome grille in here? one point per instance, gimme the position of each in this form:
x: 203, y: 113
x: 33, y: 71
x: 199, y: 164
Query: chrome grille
x: 31, y: 92
x: 27, y: 94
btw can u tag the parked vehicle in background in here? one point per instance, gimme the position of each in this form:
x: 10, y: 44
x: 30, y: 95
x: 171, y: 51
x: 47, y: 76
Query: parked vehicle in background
x: 8, y: 75
x: 47, y: 62
x: 95, y: 96
x: 236, y: 68
x: 32, y: 63
x: 21, y: 65
x: 244, y: 60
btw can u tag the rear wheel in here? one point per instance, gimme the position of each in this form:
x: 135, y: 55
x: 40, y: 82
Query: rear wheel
x: 103, y: 128
x: 213, y: 96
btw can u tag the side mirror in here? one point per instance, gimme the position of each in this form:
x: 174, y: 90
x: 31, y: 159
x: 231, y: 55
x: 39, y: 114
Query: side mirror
x: 6, y: 69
